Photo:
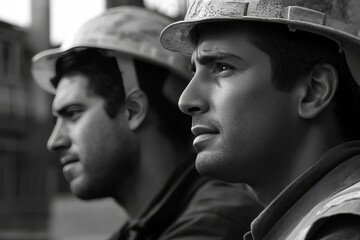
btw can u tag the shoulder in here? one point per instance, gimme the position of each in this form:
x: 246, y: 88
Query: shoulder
x: 338, y: 217
x: 346, y: 201
x: 341, y: 205
x: 342, y: 226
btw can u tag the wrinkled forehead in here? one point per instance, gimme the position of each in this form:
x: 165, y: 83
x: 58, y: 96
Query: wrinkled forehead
x: 220, y: 37
x: 72, y: 87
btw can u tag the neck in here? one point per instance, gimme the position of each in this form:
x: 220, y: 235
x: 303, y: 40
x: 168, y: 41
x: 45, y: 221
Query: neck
x: 315, y: 141
x: 158, y: 160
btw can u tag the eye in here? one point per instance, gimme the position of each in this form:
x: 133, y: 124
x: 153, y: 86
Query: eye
x: 72, y: 113
x: 222, y: 67
x: 223, y: 70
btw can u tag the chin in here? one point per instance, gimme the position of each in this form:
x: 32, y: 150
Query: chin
x: 85, y: 195
x: 212, y: 165
x: 83, y: 192
x: 208, y: 165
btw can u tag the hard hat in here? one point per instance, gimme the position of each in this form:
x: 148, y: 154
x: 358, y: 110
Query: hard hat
x: 124, y: 32
x: 338, y: 20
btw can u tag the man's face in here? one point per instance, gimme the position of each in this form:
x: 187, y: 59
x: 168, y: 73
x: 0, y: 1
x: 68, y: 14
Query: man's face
x: 243, y: 126
x: 94, y: 149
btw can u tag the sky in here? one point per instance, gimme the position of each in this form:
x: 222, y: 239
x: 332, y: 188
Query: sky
x: 15, y: 12
x: 65, y: 15
x: 171, y: 8
x: 65, y: 20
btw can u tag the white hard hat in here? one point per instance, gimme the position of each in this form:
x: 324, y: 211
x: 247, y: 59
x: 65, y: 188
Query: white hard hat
x: 128, y: 32
x: 338, y: 20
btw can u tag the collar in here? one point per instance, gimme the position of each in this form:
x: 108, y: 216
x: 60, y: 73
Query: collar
x: 175, y: 195
x: 329, y: 160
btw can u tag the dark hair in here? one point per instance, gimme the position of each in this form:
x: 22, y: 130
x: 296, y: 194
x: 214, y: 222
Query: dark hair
x: 174, y: 124
x: 105, y: 79
x: 293, y: 55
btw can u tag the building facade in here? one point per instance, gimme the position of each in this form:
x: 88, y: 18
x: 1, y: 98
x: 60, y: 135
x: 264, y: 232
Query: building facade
x: 25, y: 172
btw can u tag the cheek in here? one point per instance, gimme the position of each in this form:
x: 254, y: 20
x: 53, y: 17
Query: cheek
x: 99, y: 145
x: 238, y: 107
x: 254, y: 116
x: 90, y: 133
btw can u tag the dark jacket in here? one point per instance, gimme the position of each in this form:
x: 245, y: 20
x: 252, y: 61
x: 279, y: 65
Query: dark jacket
x: 194, y: 207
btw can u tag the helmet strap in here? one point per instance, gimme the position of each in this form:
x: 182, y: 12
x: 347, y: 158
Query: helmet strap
x: 127, y: 68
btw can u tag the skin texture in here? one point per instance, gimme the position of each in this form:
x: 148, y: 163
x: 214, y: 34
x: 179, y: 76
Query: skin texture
x: 95, y: 150
x: 243, y: 125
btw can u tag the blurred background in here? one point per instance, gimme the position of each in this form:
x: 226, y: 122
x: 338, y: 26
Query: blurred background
x: 35, y: 201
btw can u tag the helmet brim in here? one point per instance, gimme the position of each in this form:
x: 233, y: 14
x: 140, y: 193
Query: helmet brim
x: 43, y: 68
x: 43, y: 63
x: 177, y: 36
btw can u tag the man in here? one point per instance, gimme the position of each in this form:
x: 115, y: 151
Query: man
x: 119, y: 133
x: 275, y: 103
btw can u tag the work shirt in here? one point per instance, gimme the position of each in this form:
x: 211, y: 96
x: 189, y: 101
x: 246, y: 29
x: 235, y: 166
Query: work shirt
x: 194, y: 207
x: 323, y: 203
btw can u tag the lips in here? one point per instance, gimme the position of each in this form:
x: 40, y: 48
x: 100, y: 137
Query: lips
x: 201, y: 129
x: 204, y: 135
x: 70, y: 169
x: 67, y: 159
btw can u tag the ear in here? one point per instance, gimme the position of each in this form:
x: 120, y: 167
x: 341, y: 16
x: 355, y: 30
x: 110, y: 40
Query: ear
x: 137, y: 107
x: 321, y: 86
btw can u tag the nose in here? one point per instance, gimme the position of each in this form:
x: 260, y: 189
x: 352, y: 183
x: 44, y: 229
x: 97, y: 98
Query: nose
x: 59, y: 138
x: 193, y: 99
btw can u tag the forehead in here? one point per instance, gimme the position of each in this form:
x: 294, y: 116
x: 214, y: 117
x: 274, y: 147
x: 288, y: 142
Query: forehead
x: 71, y: 88
x: 224, y: 37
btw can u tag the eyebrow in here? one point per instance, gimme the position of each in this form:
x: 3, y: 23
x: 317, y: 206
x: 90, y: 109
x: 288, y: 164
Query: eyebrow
x: 207, y: 58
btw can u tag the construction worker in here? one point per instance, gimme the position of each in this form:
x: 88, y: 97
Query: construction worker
x: 275, y: 103
x: 120, y: 134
